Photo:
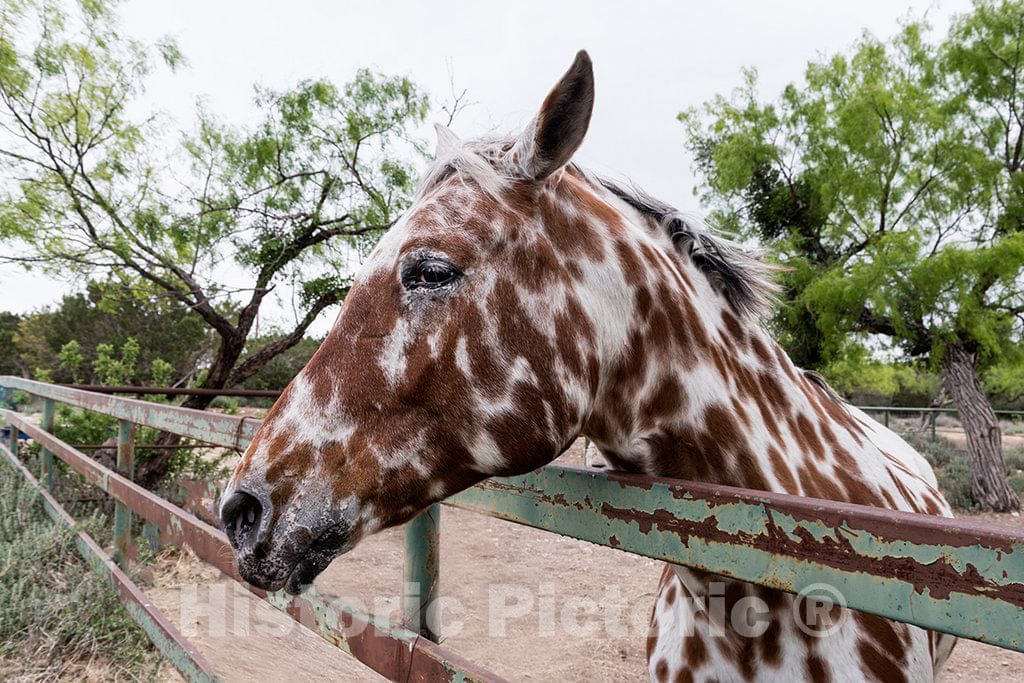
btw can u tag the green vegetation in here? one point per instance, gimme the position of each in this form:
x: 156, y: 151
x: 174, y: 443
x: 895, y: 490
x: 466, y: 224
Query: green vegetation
x: 58, y: 620
x: 889, y: 184
x: 97, y: 190
x: 951, y: 464
x: 107, y: 316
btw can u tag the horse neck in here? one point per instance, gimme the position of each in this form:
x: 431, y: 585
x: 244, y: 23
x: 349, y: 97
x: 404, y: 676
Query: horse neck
x: 702, y: 392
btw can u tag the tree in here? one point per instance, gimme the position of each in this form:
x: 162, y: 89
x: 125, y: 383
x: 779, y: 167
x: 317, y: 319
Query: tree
x: 319, y: 177
x: 107, y: 313
x: 9, y: 364
x: 282, y: 369
x: 882, y: 183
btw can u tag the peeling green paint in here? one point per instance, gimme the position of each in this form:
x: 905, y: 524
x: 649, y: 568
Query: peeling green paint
x: 975, y: 588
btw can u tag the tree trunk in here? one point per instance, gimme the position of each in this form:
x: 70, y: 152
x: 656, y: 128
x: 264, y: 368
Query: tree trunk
x: 224, y: 372
x: 990, y: 487
x: 941, y: 400
x: 152, y: 471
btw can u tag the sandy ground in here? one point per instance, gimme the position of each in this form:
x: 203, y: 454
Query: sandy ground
x: 526, y: 604
x: 531, y: 606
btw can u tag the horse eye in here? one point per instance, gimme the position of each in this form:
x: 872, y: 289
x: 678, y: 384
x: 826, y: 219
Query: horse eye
x: 430, y: 274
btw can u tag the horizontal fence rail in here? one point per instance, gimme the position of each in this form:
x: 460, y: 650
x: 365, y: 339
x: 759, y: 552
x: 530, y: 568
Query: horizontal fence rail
x: 171, y: 643
x: 392, y: 651
x: 945, y: 574
x: 175, y: 391
x: 929, y: 409
x: 221, y: 430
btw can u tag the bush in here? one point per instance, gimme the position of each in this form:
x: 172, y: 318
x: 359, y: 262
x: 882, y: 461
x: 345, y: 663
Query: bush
x: 56, y: 616
x: 955, y: 483
x: 938, y: 454
x: 228, y: 404
x: 1014, y: 458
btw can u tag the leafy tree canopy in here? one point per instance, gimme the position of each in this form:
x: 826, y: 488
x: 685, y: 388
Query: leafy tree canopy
x: 287, y: 201
x: 889, y: 183
x: 883, y: 183
x: 105, y: 315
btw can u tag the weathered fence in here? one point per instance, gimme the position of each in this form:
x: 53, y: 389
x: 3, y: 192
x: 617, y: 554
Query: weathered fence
x: 949, y: 575
x: 932, y: 413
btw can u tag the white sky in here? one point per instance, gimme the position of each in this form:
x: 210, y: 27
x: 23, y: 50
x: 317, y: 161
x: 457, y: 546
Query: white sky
x: 651, y: 60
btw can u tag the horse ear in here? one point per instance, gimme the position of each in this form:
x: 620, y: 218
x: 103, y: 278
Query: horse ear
x: 448, y: 143
x: 562, y: 122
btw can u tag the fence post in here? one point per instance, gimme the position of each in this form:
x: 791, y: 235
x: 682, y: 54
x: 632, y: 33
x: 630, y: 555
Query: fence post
x: 422, y: 569
x: 46, y: 463
x: 13, y: 439
x: 934, y: 415
x: 124, y: 549
x: 887, y: 419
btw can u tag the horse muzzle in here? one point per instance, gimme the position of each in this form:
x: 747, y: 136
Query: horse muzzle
x: 288, y: 553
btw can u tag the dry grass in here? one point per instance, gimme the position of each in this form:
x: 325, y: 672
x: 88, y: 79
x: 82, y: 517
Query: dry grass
x: 58, y: 620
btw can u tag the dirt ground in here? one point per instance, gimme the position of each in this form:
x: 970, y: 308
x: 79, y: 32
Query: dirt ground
x: 526, y: 604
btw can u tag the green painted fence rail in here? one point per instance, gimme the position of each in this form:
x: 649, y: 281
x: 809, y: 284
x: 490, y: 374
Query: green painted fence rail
x: 949, y: 575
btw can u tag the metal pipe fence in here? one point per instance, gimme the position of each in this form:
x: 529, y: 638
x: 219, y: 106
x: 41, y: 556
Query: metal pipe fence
x: 950, y: 575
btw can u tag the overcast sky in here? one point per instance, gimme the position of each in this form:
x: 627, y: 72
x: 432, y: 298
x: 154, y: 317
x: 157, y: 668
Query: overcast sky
x: 651, y: 60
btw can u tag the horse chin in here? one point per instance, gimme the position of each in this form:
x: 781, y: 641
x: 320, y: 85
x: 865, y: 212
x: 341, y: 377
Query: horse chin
x: 307, y: 569
x: 316, y: 559
x: 293, y: 568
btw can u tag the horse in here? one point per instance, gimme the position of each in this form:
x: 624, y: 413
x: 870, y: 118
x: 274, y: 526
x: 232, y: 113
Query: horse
x: 522, y: 302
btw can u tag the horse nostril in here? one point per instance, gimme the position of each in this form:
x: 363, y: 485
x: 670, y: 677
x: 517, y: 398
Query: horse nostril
x: 241, y: 515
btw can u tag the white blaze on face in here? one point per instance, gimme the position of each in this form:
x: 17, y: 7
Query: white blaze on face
x: 393, y: 355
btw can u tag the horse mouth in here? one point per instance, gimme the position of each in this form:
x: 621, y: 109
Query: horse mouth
x: 272, y: 572
x: 316, y: 559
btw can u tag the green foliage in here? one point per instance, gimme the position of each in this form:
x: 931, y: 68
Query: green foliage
x: 9, y: 364
x: 162, y: 373
x: 865, y: 379
x: 56, y: 616
x: 116, y: 371
x: 288, y: 201
x: 228, y: 404
x: 955, y: 483
x: 1004, y: 381
x: 938, y: 453
x: 71, y: 359
x: 107, y: 313
x: 76, y: 426
x: 888, y: 184
x: 277, y: 373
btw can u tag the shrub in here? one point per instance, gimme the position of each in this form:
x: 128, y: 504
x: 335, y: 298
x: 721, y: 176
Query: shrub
x: 938, y: 454
x: 955, y: 483
x: 56, y: 616
x: 1014, y: 458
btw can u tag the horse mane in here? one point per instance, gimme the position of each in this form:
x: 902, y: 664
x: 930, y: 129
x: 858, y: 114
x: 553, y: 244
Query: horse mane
x: 745, y: 281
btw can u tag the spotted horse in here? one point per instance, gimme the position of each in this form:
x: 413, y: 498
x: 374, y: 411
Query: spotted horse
x: 522, y: 302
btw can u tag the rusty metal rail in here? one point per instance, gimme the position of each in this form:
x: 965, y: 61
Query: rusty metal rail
x: 229, y: 431
x: 945, y: 574
x: 171, y: 643
x: 175, y: 391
